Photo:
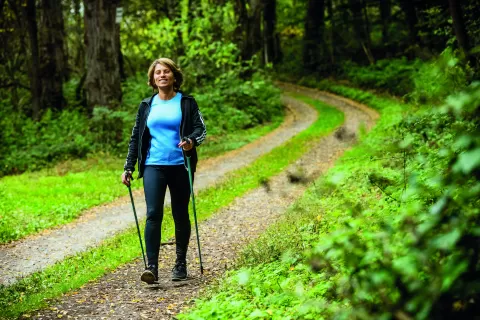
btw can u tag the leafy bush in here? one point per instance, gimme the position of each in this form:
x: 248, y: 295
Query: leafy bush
x: 231, y: 104
x: 31, y: 145
x: 436, y: 80
x: 379, y: 250
x: 418, y: 81
x: 214, y: 74
x: 422, y: 262
x: 391, y: 75
x: 228, y: 105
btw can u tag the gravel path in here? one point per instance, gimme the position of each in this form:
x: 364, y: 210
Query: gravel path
x: 21, y: 258
x: 120, y: 294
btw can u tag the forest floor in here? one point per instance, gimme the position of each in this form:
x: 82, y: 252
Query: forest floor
x: 121, y: 294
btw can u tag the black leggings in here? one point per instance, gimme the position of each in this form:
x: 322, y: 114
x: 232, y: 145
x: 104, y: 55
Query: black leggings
x: 155, y: 181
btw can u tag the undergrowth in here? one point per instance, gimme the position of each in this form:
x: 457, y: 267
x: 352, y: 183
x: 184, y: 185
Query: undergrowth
x: 32, y: 292
x: 390, y: 232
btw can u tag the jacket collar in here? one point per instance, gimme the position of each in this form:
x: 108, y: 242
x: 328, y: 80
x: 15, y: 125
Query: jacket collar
x: 149, y: 99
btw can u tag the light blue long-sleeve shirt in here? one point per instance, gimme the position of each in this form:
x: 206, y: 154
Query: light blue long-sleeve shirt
x: 164, y: 124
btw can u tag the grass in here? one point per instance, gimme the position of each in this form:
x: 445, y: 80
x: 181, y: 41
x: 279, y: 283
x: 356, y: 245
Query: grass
x: 274, y: 277
x: 34, y: 291
x: 39, y: 200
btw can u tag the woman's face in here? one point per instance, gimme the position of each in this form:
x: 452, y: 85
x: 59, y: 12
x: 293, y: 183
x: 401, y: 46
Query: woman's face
x: 163, y: 76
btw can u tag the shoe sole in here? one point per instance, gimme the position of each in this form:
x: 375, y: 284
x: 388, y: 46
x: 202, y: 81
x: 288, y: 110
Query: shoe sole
x: 148, y: 277
x: 179, y: 279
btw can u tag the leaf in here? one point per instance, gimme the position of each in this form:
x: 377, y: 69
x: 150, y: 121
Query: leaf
x: 467, y: 161
x: 452, y: 271
x: 438, y: 206
x: 243, y: 277
x: 406, y: 265
x: 257, y: 313
x: 447, y: 241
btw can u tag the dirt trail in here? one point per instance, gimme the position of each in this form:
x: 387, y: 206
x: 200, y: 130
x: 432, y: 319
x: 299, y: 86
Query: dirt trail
x: 120, y: 294
x: 21, y: 258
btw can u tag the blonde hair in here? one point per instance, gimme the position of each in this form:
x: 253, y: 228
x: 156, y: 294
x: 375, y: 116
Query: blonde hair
x: 177, y: 73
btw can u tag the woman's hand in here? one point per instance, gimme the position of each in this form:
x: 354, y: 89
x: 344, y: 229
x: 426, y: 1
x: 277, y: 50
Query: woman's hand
x: 186, y: 144
x: 126, y: 177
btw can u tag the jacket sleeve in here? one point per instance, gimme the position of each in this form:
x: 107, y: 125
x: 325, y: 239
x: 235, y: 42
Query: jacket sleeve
x: 133, y: 144
x: 199, y: 129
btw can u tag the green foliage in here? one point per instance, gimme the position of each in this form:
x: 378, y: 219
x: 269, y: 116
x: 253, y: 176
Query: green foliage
x: 231, y: 104
x: 31, y: 292
x: 381, y: 251
x: 268, y: 291
x: 439, y: 78
x: 423, y: 260
x: 32, y: 145
x: 390, y: 75
x: 228, y: 105
x: 67, y: 189
x: 201, y: 43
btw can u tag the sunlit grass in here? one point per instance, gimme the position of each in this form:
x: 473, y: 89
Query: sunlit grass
x: 39, y: 200
x: 274, y: 278
x: 31, y: 292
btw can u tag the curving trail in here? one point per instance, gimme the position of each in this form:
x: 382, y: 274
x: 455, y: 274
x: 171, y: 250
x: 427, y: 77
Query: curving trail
x: 21, y: 258
x: 120, y: 294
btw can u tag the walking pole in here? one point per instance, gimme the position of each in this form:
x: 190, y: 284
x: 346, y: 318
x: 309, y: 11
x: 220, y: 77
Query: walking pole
x: 194, y: 212
x: 138, y: 229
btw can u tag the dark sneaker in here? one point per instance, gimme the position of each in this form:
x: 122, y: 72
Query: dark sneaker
x: 150, y: 275
x: 179, y: 272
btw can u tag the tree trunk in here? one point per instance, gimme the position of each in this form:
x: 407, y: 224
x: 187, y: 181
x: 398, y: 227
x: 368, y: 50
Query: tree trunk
x: 271, y: 47
x: 459, y: 27
x: 408, y: 8
x: 368, y: 47
x: 121, y: 67
x: 102, y: 82
x: 253, y: 40
x: 79, y: 49
x: 385, y: 15
x: 359, y: 26
x: 242, y: 20
x: 52, y: 55
x: 313, y: 44
x: 331, y: 34
x: 35, y: 83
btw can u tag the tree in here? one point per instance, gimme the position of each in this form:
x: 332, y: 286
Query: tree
x: 102, y: 82
x: 459, y: 27
x: 78, y: 50
x: 14, y: 77
x: 30, y: 12
x: 53, y: 61
x: 360, y: 26
x: 119, y: 13
x: 249, y: 26
x: 410, y: 12
x: 271, y: 41
x: 331, y: 34
x: 385, y: 16
x: 313, y: 43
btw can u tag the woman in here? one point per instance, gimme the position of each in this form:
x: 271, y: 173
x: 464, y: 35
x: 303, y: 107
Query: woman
x: 168, y: 127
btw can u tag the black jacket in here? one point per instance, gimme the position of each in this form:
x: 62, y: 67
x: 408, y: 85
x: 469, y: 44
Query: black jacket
x: 192, y: 126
